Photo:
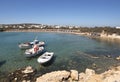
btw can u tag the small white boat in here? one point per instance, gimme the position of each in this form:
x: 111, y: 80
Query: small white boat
x: 34, y: 51
x: 46, y: 57
x: 25, y: 45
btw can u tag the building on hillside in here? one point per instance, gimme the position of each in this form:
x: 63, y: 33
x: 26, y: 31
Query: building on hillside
x: 117, y: 27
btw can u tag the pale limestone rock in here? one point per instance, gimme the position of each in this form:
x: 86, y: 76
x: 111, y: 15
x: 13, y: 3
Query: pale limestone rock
x: 118, y: 58
x: 56, y: 76
x: 89, y: 72
x: 28, y: 69
x: 15, y: 79
x: 28, y: 81
x: 94, y: 78
x: 89, y: 76
x: 112, y: 78
x: 118, y: 68
x: 24, y: 81
x: 70, y: 80
x: 82, y: 77
x: 112, y: 75
x: 74, y: 75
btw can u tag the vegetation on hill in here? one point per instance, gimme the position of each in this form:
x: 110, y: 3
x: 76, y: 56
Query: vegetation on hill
x: 108, y: 30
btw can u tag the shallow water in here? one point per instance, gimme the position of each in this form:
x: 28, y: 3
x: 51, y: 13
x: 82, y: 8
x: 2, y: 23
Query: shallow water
x: 71, y: 52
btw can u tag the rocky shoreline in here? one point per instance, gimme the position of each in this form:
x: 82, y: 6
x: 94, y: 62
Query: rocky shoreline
x: 29, y: 74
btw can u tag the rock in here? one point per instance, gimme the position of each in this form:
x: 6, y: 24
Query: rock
x: 112, y: 75
x: 94, y: 65
x: 89, y: 72
x: 28, y: 81
x: 74, y: 75
x: 89, y: 76
x: 28, y: 69
x: 24, y: 81
x: 22, y: 75
x: 92, y: 78
x: 56, y: 76
x: 82, y: 77
x: 108, y: 56
x: 112, y: 78
x: 118, y: 58
x: 117, y: 68
x: 15, y: 79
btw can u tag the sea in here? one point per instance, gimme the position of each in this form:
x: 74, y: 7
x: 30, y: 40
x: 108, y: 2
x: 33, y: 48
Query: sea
x: 70, y: 52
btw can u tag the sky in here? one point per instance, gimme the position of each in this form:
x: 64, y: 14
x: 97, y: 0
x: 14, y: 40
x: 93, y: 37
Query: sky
x: 61, y: 12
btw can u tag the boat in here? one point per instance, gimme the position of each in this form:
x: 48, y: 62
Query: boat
x: 41, y: 43
x: 25, y: 45
x: 34, y: 42
x: 28, y: 45
x: 45, y: 58
x: 34, y: 51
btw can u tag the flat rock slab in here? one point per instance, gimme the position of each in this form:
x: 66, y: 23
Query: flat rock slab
x: 56, y: 76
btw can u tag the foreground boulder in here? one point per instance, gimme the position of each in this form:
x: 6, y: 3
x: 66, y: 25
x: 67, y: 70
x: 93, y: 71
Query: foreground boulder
x: 56, y: 76
x: 89, y: 76
x: 112, y: 75
x: 74, y: 75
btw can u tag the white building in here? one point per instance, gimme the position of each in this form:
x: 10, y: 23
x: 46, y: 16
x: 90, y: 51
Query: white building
x: 6, y: 26
x: 21, y: 27
x: 36, y: 26
x: 57, y: 26
x: 117, y: 27
x: 70, y: 27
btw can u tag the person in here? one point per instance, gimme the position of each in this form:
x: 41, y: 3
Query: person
x: 36, y: 48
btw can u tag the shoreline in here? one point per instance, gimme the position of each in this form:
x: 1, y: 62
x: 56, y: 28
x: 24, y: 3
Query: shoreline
x: 29, y: 74
x: 76, y: 32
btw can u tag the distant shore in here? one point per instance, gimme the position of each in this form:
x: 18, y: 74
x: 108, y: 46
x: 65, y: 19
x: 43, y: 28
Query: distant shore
x: 41, y: 30
x: 77, y: 32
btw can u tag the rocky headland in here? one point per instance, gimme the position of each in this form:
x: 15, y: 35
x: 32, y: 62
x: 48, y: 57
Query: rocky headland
x: 28, y: 74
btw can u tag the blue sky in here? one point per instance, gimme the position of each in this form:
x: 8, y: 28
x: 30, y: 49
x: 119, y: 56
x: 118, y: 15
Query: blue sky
x: 61, y: 12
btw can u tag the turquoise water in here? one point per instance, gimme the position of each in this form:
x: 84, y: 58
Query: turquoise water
x: 71, y: 52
